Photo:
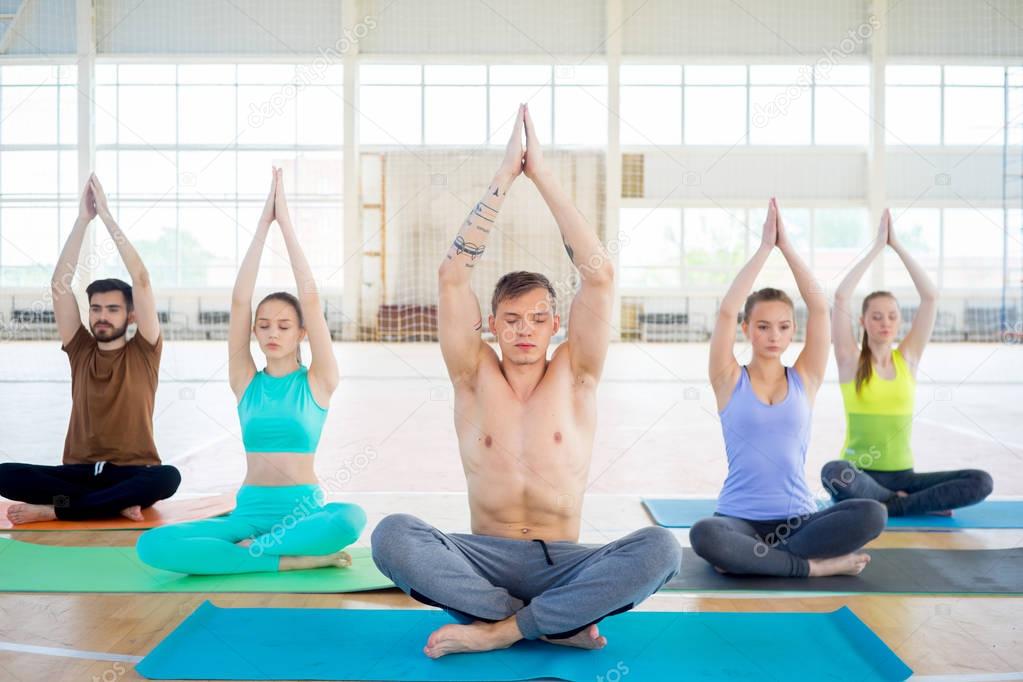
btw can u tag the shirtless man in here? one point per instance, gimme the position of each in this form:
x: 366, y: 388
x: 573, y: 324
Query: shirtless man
x: 525, y: 429
x: 110, y: 465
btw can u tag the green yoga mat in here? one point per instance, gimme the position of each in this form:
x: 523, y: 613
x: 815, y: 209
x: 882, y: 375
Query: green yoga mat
x: 354, y: 644
x: 28, y: 567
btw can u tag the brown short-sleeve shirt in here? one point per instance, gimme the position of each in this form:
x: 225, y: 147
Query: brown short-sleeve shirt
x: 113, y: 393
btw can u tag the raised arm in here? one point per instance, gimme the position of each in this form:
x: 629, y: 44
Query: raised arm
x: 813, y: 360
x: 323, y: 370
x: 241, y: 367
x: 723, y: 369
x: 912, y: 346
x: 144, y: 300
x: 65, y: 307
x: 589, y: 328
x: 459, y: 321
x: 842, y: 314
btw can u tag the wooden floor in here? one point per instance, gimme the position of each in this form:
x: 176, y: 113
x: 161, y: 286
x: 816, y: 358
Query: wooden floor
x: 654, y: 439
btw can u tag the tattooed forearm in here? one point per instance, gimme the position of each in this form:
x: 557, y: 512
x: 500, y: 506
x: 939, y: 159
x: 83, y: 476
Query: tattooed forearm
x: 474, y: 251
x: 478, y: 211
x: 471, y: 242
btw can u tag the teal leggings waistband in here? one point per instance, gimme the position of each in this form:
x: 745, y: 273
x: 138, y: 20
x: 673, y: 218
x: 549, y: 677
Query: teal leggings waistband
x: 268, y: 500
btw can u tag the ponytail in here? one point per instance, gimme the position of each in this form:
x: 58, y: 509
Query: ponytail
x: 864, y: 367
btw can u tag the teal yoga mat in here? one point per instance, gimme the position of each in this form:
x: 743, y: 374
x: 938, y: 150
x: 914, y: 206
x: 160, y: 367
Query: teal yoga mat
x: 683, y: 513
x: 348, y: 644
x: 28, y: 567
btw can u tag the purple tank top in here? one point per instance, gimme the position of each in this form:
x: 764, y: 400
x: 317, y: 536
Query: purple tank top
x: 766, y: 446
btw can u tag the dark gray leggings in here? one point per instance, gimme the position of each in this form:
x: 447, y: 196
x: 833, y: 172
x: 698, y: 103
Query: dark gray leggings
x: 784, y: 547
x: 928, y: 492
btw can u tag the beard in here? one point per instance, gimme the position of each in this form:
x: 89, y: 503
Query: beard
x: 109, y: 333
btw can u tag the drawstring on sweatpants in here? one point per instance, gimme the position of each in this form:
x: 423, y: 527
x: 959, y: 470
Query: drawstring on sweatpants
x: 546, y: 554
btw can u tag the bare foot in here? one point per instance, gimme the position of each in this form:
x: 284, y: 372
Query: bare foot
x: 590, y: 638
x: 849, y: 564
x: 133, y: 513
x: 478, y: 636
x: 297, y: 563
x: 902, y: 493
x: 28, y: 513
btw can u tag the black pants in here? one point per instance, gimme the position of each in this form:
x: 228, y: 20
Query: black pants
x: 927, y: 492
x: 784, y: 547
x: 88, y: 491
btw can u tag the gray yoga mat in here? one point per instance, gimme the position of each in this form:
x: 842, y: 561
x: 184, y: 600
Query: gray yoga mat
x: 902, y: 571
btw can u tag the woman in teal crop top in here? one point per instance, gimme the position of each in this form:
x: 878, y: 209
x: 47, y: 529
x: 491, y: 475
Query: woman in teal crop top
x: 280, y: 522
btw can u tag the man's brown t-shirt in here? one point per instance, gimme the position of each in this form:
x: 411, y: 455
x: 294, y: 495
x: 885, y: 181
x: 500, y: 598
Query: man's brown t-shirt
x: 112, y: 397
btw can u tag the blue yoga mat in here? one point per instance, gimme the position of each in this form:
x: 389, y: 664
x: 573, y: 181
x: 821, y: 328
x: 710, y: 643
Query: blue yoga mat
x: 683, y: 513
x: 347, y: 644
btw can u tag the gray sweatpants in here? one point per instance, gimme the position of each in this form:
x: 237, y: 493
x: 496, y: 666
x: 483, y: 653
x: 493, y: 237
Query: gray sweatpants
x: 554, y: 589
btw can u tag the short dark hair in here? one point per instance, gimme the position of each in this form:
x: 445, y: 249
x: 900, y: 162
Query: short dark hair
x: 765, y: 294
x: 102, y: 286
x: 514, y: 284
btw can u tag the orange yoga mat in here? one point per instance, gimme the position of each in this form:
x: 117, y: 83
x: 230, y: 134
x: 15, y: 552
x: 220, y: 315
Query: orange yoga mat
x: 160, y: 514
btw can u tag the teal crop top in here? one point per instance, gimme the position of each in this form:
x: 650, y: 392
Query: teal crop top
x: 279, y: 414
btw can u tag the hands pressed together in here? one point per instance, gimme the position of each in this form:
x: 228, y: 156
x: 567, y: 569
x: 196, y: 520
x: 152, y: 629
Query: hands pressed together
x: 93, y: 201
x: 276, y: 206
x: 526, y: 159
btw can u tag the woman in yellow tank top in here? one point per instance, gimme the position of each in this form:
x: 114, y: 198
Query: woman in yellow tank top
x: 878, y: 385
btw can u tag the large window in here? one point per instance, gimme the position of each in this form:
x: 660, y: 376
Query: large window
x: 954, y: 105
x: 715, y: 244
x: 467, y: 105
x: 960, y: 248
x: 973, y: 248
x: 701, y: 249
x: 38, y: 169
x: 715, y: 105
x: 185, y: 152
x: 736, y: 104
x: 919, y: 230
x: 652, y: 247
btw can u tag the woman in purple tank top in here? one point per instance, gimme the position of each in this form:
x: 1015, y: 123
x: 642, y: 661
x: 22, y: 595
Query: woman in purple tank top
x: 767, y: 521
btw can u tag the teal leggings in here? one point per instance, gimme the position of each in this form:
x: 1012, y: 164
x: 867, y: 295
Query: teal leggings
x: 280, y: 521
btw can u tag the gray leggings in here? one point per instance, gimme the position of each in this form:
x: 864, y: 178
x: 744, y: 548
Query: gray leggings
x: 784, y: 547
x: 554, y: 589
x: 927, y: 492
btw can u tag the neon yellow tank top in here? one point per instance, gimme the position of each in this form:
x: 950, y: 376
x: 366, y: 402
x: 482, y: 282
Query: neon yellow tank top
x: 879, y: 420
